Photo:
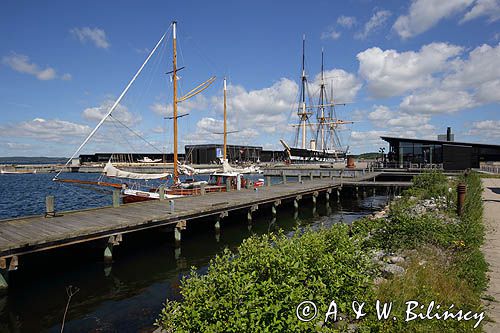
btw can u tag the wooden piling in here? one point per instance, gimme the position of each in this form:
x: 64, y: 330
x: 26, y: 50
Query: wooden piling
x: 49, y: 206
x: 116, y: 198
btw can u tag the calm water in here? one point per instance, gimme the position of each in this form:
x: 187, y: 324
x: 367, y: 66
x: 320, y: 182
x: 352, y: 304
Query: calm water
x: 128, y: 296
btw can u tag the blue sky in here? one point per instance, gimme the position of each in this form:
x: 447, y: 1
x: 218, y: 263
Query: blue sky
x: 408, y: 68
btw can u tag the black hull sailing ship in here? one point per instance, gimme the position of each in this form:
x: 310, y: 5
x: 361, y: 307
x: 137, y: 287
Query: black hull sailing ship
x: 324, y: 140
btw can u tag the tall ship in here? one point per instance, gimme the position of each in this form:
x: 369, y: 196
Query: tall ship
x: 317, y: 136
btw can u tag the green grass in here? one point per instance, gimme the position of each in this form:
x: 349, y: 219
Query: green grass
x: 259, y: 287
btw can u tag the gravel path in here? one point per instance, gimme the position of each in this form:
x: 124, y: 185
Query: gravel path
x: 491, y: 248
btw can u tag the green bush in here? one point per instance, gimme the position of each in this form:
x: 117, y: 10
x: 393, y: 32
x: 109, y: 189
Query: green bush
x: 430, y: 184
x: 259, y: 288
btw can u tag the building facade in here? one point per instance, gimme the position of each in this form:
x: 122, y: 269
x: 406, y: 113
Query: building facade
x: 450, y: 155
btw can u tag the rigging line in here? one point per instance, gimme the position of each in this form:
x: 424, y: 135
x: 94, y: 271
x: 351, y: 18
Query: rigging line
x: 111, y: 109
x: 154, y: 69
x: 137, y: 134
x: 126, y: 143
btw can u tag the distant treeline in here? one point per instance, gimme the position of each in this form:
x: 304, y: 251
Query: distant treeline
x: 32, y: 160
x: 367, y: 156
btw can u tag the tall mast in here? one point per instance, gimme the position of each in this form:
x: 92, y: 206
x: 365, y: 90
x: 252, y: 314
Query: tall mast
x: 303, y: 114
x: 174, y: 79
x: 225, y: 125
x: 321, y: 104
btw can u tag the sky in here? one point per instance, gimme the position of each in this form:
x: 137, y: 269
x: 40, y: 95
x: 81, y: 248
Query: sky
x: 403, y: 68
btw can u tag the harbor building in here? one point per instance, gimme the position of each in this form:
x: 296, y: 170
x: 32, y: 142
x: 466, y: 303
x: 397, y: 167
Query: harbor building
x: 446, y: 154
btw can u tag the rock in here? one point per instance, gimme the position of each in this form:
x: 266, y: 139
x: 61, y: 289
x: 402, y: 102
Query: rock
x: 379, y: 280
x: 390, y: 270
x: 396, y: 259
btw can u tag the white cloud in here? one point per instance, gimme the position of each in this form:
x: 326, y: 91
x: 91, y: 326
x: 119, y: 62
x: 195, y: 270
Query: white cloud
x: 22, y: 64
x: 95, y: 35
x: 377, y: 20
x: 424, y: 14
x: 196, y: 103
x: 345, y: 85
x: 391, y: 73
x: 17, y: 146
x: 330, y: 34
x: 490, y: 8
x: 45, y: 129
x: 346, y: 21
x: 437, y: 101
x: 383, y: 117
x: 487, y: 129
x: 121, y: 113
x: 483, y: 65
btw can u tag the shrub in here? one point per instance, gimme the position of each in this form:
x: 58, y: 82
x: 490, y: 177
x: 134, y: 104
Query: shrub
x: 260, y: 288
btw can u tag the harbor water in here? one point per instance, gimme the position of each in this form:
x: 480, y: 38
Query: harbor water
x: 128, y: 296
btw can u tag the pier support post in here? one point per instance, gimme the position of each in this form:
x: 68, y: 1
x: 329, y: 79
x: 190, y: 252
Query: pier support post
x: 283, y: 175
x: 217, y: 224
x: 116, y: 198
x: 113, y: 240
x: 228, y: 185
x: 311, y: 175
x: 275, y: 205
x: 330, y: 175
x: 172, y: 205
x: 50, y: 210
x: 268, y: 180
x: 320, y: 175
x: 314, y: 197
x: 202, y: 189
x: 327, y: 195
x: 338, y: 195
x: 357, y: 193
x: 299, y: 178
x: 296, y: 202
x: 250, y: 211
x: 374, y: 191
x: 161, y: 191
x: 181, y: 225
x: 4, y: 271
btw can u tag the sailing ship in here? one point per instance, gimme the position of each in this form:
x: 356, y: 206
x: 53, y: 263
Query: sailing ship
x: 325, y: 144
x: 132, y: 192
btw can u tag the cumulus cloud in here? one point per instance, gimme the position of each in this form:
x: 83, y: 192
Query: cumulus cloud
x: 485, y: 128
x: 345, y: 85
x: 196, y: 103
x: 94, y: 35
x: 482, y: 66
x: 45, y: 129
x: 437, y: 101
x: 392, y: 73
x: 424, y: 14
x: 383, y: 117
x: 21, y: 63
x: 346, y: 21
x: 489, y: 8
x: 120, y: 113
x: 377, y: 20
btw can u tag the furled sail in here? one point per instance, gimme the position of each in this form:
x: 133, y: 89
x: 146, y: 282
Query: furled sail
x: 251, y: 169
x: 111, y: 171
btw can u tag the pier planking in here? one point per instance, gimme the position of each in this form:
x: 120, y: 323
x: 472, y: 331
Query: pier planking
x: 24, y: 235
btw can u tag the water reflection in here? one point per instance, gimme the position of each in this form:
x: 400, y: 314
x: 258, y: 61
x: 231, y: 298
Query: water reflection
x: 146, y: 269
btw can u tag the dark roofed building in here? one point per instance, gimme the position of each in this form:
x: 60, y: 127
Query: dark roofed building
x: 450, y: 155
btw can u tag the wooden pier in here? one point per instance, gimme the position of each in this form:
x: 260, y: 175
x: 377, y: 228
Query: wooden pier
x: 39, y: 233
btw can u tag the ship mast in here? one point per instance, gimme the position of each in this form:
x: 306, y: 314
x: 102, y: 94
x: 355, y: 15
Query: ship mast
x: 225, y: 125
x: 322, y: 97
x: 174, y: 80
x: 302, y: 112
